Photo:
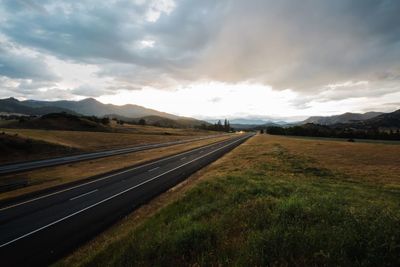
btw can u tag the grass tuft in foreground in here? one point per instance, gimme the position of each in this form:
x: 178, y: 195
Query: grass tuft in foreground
x: 267, y: 203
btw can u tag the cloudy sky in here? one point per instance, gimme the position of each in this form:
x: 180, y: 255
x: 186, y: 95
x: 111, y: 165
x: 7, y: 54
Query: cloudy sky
x: 208, y: 58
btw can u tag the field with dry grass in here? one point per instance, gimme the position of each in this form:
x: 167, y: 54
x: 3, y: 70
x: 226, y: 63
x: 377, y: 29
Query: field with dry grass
x: 73, y: 142
x: 40, y: 179
x: 89, y: 141
x: 376, y: 163
x: 273, y: 201
x: 14, y: 147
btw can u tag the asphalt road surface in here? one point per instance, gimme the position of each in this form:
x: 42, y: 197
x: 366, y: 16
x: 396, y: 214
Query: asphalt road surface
x: 40, y: 230
x: 36, y: 164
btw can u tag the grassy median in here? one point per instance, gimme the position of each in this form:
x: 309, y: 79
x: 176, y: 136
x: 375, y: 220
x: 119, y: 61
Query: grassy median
x: 57, y: 175
x: 92, y: 141
x: 272, y: 201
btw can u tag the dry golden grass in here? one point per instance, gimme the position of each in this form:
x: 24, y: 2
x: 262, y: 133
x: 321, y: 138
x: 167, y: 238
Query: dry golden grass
x: 271, y: 201
x: 139, y: 129
x: 16, y: 148
x: 368, y: 162
x: 57, y: 175
x: 90, y: 141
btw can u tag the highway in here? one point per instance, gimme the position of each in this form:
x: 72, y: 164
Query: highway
x: 36, y: 164
x: 40, y: 230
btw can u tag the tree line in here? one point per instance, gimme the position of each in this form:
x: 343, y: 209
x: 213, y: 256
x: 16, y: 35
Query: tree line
x: 338, y: 132
x: 218, y: 126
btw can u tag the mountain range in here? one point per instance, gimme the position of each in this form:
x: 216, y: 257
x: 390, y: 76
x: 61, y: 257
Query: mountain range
x: 246, y: 123
x: 342, y: 118
x: 88, y: 107
x: 354, y: 120
x: 385, y: 126
x: 92, y: 107
x: 384, y: 120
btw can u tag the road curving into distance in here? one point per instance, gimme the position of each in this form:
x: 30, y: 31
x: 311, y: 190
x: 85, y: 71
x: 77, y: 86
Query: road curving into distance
x: 40, y: 230
x: 36, y: 164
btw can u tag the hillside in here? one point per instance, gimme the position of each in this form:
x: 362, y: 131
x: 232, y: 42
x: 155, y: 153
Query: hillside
x: 383, y: 127
x: 342, y: 118
x: 61, y: 121
x: 190, y: 122
x: 12, y: 105
x: 15, y: 147
x: 158, y: 121
x: 386, y: 120
x: 92, y: 107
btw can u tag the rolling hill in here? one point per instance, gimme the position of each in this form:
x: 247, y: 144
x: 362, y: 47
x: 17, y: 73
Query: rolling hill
x: 92, y: 107
x: 181, y: 122
x: 385, y: 127
x: 12, y: 105
x: 18, y: 148
x: 385, y: 120
x: 342, y: 118
x: 62, y: 121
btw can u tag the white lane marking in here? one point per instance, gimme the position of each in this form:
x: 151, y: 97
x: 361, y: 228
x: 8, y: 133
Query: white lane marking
x: 103, y: 178
x: 183, y: 158
x: 153, y: 169
x: 113, y: 196
x: 105, y: 153
x: 84, y: 194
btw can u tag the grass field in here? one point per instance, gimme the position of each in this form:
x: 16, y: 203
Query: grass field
x: 273, y: 201
x: 39, y: 179
x: 69, y: 142
x: 89, y: 141
x: 15, y: 148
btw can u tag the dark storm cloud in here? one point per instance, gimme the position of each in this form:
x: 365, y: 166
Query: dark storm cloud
x: 302, y: 45
x: 77, y: 31
x: 305, y: 45
x: 92, y: 31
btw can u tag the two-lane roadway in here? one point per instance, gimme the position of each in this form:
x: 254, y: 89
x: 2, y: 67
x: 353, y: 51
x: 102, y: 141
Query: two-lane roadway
x: 40, y: 230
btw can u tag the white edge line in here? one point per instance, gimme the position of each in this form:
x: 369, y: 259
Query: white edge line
x: 100, y: 179
x: 113, y: 196
x: 84, y: 194
x: 112, y: 152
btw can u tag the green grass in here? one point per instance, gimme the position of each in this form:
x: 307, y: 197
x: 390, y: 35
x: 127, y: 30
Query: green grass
x: 263, y: 205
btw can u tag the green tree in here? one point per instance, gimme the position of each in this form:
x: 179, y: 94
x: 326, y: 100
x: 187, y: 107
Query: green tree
x: 142, y: 122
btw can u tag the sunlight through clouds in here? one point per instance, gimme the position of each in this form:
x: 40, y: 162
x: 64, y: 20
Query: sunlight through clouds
x: 217, y: 58
x: 211, y: 99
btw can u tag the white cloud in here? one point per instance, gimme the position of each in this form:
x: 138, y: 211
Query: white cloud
x: 158, y: 7
x: 194, y: 100
x: 213, y: 57
x: 146, y: 44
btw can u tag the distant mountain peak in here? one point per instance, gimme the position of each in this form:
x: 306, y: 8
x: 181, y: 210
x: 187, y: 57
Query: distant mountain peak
x: 90, y: 100
x: 12, y: 99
